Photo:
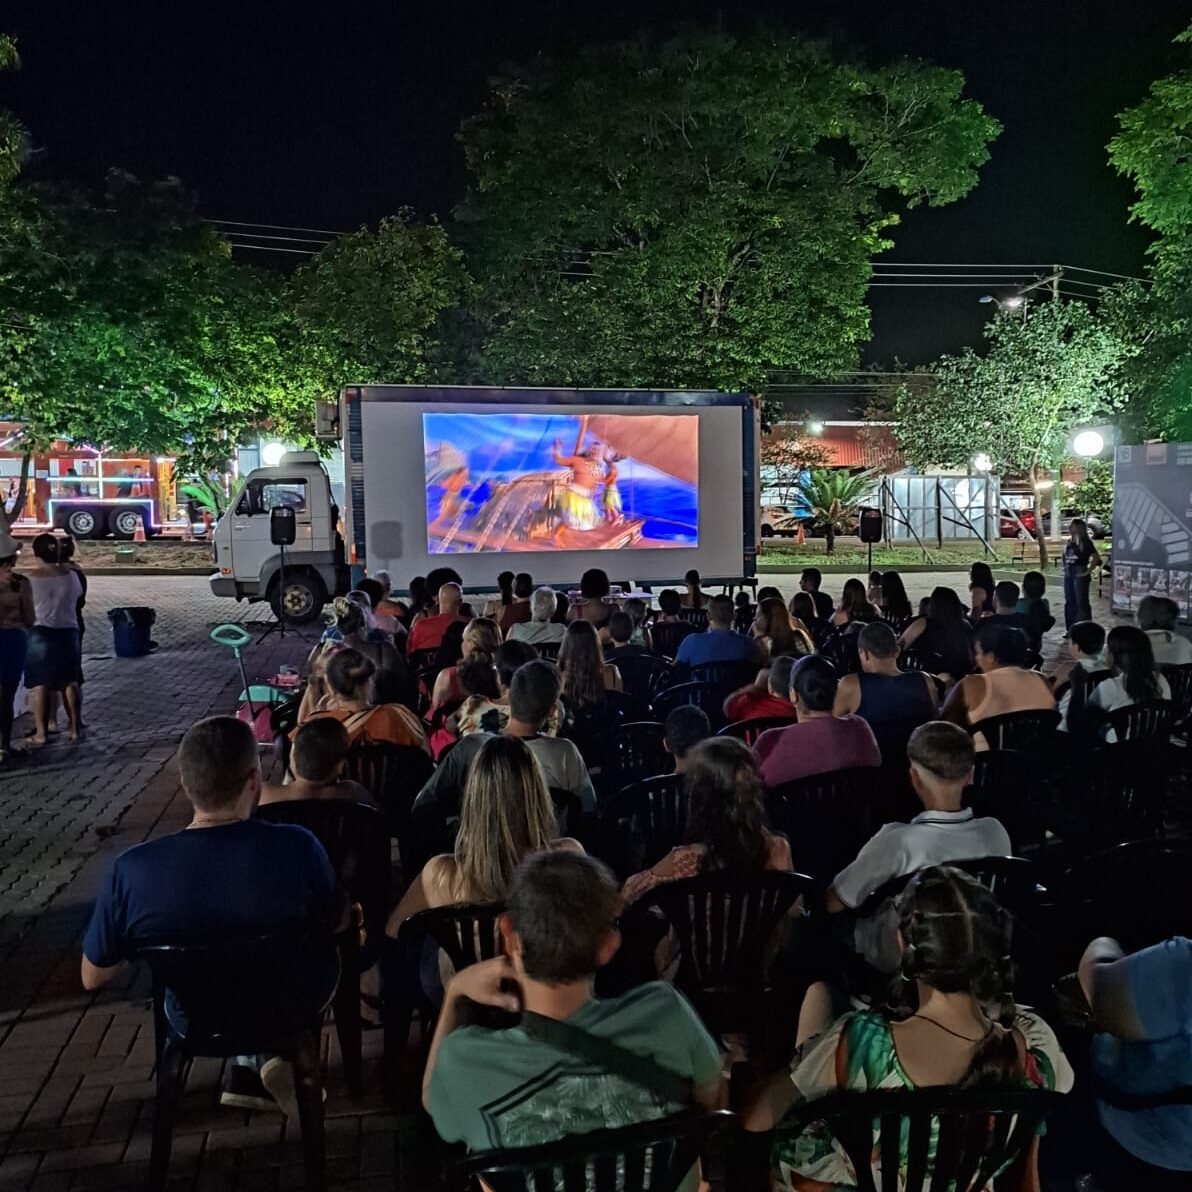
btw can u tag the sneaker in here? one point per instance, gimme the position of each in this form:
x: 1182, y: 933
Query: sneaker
x: 244, y: 1089
x: 277, y: 1075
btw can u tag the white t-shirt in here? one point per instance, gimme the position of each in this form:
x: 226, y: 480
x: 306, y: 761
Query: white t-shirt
x: 1170, y: 648
x: 1112, y: 694
x: 56, y: 600
x: 536, y: 633
x: 1087, y: 664
x: 898, y: 850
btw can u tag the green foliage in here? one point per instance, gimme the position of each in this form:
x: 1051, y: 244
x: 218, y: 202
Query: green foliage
x: 370, y: 305
x: 1094, y: 494
x: 212, y: 494
x: 696, y: 211
x: 834, y: 496
x: 14, y: 141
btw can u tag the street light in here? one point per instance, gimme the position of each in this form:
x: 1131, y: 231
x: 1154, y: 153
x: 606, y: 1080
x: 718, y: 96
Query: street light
x: 272, y: 453
x: 982, y: 463
x: 815, y: 427
x: 1088, y: 444
x: 1013, y: 302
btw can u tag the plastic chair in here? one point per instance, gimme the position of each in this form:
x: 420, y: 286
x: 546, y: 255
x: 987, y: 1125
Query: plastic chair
x: 826, y: 817
x: 697, y: 617
x: 613, y: 708
x: 642, y: 823
x: 1179, y: 679
x: 665, y: 637
x: 726, y: 927
x: 956, y: 1139
x: 749, y: 730
x: 1009, y: 785
x: 642, y: 674
x: 647, y: 1157
x: 1019, y: 730
x: 842, y: 650
x: 250, y: 996
x: 569, y: 813
x: 548, y: 650
x: 727, y: 677
x: 1151, y: 720
x: 357, y: 845
x: 629, y: 753
x: 706, y: 696
x: 393, y: 775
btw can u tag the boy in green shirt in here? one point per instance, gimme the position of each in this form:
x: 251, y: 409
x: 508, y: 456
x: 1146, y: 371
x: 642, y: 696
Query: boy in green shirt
x: 519, y: 1086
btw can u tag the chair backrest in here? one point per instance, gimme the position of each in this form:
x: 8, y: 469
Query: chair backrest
x: 1019, y: 730
x: 642, y: 674
x: 842, y: 650
x: 707, y: 696
x: 569, y: 813
x: 826, y: 817
x: 725, y: 676
x: 356, y: 839
x: 631, y: 752
x: 393, y: 775
x: 1007, y: 783
x: 725, y: 924
x: 1179, y: 679
x: 612, y: 709
x: 421, y: 660
x: 749, y: 730
x: 665, y: 637
x: 1152, y: 720
x: 654, y: 1156
x: 911, y: 659
x: 643, y: 822
x: 467, y: 933
x: 1010, y: 879
x: 951, y: 1138
x: 548, y: 650
x: 694, y: 616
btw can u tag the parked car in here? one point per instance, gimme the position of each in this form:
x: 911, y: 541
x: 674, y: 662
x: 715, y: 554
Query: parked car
x: 1020, y: 523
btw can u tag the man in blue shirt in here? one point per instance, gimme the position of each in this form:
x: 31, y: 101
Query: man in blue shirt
x: 717, y: 644
x: 225, y: 875
x: 1142, y: 1005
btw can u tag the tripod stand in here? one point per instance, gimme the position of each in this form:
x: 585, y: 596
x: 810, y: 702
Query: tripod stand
x: 282, y: 532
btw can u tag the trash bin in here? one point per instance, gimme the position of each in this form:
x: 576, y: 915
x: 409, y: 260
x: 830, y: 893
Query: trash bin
x: 130, y: 629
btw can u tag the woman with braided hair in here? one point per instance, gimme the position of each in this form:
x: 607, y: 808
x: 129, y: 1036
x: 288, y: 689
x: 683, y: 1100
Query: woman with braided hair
x: 952, y: 1022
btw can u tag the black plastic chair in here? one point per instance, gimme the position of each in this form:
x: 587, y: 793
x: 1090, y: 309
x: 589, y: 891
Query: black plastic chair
x: 393, y: 775
x: 647, y: 1157
x: 642, y: 823
x: 697, y: 617
x: 358, y: 847
x: 726, y: 677
x: 629, y: 753
x: 612, y: 709
x: 569, y: 813
x: 1179, y: 679
x: 826, y: 817
x: 749, y: 730
x: 665, y: 637
x: 642, y: 674
x: 842, y: 651
x: 1152, y: 720
x: 955, y: 1139
x: 548, y: 650
x: 911, y: 659
x: 250, y: 996
x: 423, y: 660
x: 706, y: 696
x: 726, y: 927
x: 1019, y: 730
x: 1010, y: 785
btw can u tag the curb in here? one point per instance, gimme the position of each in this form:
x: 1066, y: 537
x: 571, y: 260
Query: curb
x: 204, y: 571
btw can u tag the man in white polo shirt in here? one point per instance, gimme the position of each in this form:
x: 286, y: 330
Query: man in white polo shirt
x: 941, y: 765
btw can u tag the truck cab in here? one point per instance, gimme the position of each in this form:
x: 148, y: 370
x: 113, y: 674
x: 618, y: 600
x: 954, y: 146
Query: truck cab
x: 248, y: 563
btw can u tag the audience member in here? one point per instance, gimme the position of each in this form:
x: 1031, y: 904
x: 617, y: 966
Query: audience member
x: 854, y: 605
x: 769, y: 697
x: 726, y: 823
x: 592, y: 606
x: 528, y: 1083
x: 1005, y: 606
x: 718, y: 643
x: 1157, y: 618
x: 427, y: 633
x: 818, y: 742
x: 637, y: 610
x: 981, y: 589
x: 53, y: 662
x: 394, y: 683
x: 533, y: 703
x: 694, y: 596
x: 1033, y: 603
x: 685, y: 727
x: 518, y: 610
x: 1079, y: 558
x: 1135, y: 679
x: 317, y: 760
x: 381, y: 624
x: 890, y: 701
x: 1085, y: 643
x: 620, y: 634
x: 873, y: 589
x: 895, y: 603
x: 941, y: 636
x: 482, y: 712
x: 17, y: 617
x: 562, y: 609
x: 350, y: 700
x: 505, y: 815
x: 419, y: 602
x: 479, y: 644
x: 668, y: 630
x: 954, y: 1023
x: 941, y: 767
x: 586, y: 676
x: 1142, y: 1008
x: 775, y: 634
x: 1002, y: 683
x: 809, y: 582
x: 768, y: 593
x: 541, y: 628
x: 226, y: 876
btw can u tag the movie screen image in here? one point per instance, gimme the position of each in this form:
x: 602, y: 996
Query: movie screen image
x: 532, y: 482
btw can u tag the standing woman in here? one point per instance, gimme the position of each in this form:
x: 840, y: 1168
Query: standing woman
x: 53, y: 662
x: 694, y: 597
x: 1080, y: 556
x: 16, y: 618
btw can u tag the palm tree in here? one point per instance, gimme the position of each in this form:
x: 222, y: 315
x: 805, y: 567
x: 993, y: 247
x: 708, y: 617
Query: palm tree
x: 833, y: 496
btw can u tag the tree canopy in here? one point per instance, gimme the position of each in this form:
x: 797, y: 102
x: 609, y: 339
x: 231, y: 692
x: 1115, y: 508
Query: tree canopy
x: 695, y: 211
x: 14, y: 143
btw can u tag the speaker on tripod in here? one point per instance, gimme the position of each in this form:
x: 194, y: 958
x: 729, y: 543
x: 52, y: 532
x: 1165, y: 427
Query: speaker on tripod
x: 283, y: 530
x: 869, y: 529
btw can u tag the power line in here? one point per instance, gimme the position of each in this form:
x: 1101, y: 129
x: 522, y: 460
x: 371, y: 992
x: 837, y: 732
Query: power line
x: 275, y: 227
x: 302, y: 252
x: 292, y: 239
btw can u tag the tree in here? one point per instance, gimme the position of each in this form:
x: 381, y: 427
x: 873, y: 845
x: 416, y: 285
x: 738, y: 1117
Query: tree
x: 1041, y: 377
x: 14, y: 141
x: 370, y: 306
x: 693, y: 212
x: 1151, y: 150
x: 834, y: 496
x: 787, y: 453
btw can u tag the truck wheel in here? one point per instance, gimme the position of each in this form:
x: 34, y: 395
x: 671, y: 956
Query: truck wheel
x: 767, y: 530
x: 304, y: 597
x: 123, y: 523
x: 82, y: 523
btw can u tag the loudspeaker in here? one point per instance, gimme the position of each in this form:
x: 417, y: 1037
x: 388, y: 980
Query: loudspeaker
x: 283, y: 528
x: 870, y: 527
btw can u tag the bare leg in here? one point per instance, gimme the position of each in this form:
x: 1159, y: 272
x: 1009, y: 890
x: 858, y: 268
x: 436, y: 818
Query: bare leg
x: 72, y: 697
x: 39, y: 703
x: 816, y: 1014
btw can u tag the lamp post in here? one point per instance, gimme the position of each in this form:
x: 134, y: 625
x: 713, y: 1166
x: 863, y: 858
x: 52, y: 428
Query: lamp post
x: 983, y: 465
x: 1088, y: 444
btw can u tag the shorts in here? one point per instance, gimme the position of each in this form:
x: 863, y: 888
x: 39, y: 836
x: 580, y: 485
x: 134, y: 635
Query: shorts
x: 14, y: 645
x: 53, y: 659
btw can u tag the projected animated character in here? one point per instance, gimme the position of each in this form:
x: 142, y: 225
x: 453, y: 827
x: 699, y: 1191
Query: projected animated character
x: 611, y: 498
x: 577, y: 502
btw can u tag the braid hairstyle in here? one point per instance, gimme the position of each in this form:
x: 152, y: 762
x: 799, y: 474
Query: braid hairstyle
x: 956, y: 939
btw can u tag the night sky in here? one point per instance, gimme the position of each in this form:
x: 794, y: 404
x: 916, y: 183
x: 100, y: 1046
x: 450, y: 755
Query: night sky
x: 332, y: 115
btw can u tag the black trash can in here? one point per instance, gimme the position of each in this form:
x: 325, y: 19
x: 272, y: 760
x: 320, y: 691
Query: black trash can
x: 130, y: 629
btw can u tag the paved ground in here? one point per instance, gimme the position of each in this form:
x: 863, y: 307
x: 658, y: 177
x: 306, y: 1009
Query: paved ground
x: 75, y: 1087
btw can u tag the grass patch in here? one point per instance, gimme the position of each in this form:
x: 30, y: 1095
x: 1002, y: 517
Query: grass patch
x: 851, y: 554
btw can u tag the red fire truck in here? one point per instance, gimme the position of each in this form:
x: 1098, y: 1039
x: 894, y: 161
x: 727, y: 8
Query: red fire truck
x: 87, y: 492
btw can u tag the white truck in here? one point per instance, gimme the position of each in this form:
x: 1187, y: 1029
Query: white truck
x: 550, y: 481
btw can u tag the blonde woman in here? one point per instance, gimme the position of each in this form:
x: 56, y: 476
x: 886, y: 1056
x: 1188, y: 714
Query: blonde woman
x: 482, y: 638
x: 506, y: 815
